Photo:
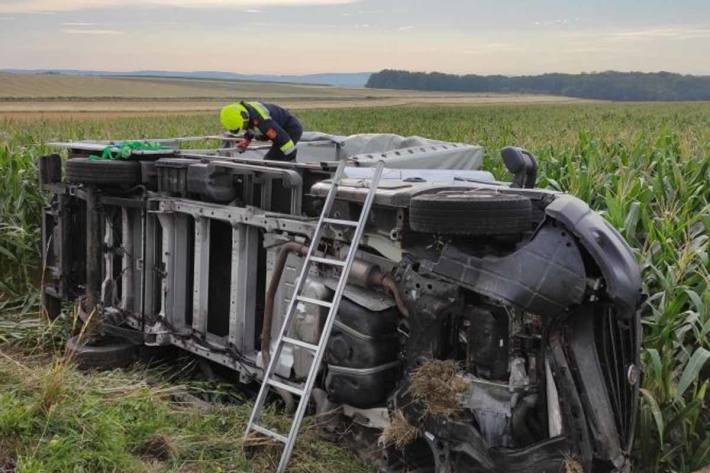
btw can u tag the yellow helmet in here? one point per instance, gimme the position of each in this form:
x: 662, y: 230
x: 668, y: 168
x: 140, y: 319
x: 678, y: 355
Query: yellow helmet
x: 234, y: 117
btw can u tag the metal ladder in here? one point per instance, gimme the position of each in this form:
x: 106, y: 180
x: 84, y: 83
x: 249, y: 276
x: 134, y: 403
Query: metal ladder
x: 318, y: 350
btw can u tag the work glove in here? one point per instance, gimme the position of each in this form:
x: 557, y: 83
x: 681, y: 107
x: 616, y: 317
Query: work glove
x: 243, y: 144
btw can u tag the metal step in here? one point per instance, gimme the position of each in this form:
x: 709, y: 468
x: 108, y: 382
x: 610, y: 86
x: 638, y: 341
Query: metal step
x: 301, y: 343
x: 269, y: 433
x: 330, y: 261
x: 309, y: 300
x: 286, y: 387
x: 335, y: 221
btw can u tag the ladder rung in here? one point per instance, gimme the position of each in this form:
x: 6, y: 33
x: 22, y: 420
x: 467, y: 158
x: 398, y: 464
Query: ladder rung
x: 319, y: 302
x: 269, y: 433
x: 333, y: 262
x: 300, y: 343
x: 335, y: 221
x: 285, y: 387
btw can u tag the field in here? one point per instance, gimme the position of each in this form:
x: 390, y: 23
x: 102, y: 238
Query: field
x: 645, y: 166
x: 53, y: 94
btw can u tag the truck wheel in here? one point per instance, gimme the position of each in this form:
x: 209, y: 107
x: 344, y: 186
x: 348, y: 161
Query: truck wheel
x: 107, y: 354
x: 470, y: 213
x: 103, y: 172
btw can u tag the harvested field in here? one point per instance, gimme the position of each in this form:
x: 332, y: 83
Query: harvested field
x: 22, y: 94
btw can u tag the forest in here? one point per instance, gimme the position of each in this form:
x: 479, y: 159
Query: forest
x: 611, y: 85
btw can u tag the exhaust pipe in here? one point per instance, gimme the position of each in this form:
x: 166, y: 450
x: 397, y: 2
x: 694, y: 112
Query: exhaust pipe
x: 362, y: 273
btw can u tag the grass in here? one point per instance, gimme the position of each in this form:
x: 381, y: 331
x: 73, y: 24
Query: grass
x: 645, y: 166
x: 54, y: 418
x: 399, y: 432
x: 437, y: 385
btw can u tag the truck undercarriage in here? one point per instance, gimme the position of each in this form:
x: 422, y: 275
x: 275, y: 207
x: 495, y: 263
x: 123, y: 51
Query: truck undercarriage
x: 529, y: 298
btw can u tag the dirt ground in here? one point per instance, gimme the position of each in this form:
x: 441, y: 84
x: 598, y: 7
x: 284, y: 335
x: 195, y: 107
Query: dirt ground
x: 76, y: 96
x: 92, y: 108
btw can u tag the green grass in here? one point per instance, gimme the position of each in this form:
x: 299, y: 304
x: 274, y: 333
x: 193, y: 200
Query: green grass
x: 645, y: 166
x: 54, y: 418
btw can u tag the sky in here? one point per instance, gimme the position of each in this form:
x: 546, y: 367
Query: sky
x: 512, y: 37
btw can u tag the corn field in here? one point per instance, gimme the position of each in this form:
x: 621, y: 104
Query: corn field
x: 646, y: 167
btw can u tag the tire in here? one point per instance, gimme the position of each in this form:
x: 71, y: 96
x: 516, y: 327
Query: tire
x: 103, y: 172
x: 470, y: 213
x: 109, y: 353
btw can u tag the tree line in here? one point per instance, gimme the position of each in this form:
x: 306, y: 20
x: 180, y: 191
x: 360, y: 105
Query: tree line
x: 610, y: 85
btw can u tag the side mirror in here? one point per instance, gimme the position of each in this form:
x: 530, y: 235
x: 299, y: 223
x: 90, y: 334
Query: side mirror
x: 522, y: 165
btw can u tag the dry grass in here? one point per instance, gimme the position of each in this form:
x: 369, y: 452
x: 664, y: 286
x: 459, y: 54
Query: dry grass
x: 46, y: 86
x: 437, y: 384
x: 54, y: 87
x: 265, y: 452
x: 399, y: 433
x: 159, y: 447
x: 7, y: 461
x: 571, y: 465
x: 116, y: 107
x: 51, y: 94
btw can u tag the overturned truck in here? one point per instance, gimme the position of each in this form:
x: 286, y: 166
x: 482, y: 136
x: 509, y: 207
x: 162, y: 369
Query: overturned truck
x: 528, y: 294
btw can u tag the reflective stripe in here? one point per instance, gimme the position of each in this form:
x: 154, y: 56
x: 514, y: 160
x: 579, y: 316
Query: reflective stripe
x: 260, y: 109
x: 288, y: 147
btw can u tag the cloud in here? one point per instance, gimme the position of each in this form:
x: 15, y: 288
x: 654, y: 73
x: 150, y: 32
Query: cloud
x: 556, y: 22
x: 42, y: 6
x: 78, y: 23
x: 667, y: 33
x: 657, y: 33
x: 7, y: 18
x: 92, y: 31
x: 405, y: 28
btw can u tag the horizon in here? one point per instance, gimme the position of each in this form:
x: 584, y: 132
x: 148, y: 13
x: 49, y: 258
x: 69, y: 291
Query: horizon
x: 41, y: 70
x: 302, y: 37
x: 50, y: 71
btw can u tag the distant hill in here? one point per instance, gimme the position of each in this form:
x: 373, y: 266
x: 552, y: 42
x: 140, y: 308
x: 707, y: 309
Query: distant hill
x: 346, y: 79
x: 609, y: 85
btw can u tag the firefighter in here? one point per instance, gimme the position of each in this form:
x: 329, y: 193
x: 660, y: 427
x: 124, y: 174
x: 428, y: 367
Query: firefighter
x: 265, y: 122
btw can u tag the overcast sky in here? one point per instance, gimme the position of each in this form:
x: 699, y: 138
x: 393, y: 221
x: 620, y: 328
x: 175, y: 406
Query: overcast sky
x: 309, y: 36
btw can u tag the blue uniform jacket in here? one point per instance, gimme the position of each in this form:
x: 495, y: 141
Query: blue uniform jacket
x: 271, y: 122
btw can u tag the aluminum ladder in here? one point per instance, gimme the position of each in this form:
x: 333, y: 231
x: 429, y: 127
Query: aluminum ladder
x: 318, y: 350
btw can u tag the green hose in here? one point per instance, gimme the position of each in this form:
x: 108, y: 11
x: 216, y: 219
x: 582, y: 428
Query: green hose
x: 124, y: 149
